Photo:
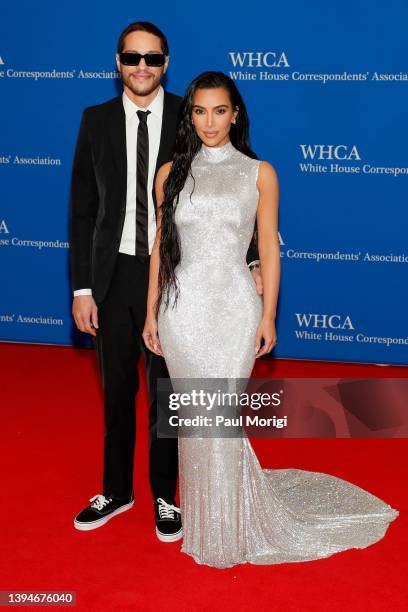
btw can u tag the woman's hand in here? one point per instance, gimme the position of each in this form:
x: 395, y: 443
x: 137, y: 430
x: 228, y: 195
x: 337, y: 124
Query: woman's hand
x: 151, y: 336
x: 266, y: 331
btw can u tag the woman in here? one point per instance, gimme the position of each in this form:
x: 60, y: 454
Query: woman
x: 205, y: 317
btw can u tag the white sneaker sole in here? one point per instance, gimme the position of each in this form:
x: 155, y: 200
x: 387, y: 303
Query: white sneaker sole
x: 102, y: 521
x: 173, y: 537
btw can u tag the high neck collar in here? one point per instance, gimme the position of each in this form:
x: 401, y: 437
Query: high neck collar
x: 217, y: 154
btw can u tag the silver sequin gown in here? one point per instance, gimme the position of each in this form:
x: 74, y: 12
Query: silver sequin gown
x: 233, y: 511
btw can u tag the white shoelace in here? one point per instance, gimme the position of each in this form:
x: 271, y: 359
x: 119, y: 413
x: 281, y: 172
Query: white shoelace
x: 100, y: 501
x: 167, y: 510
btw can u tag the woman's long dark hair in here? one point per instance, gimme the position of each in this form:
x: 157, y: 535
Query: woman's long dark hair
x: 186, y: 147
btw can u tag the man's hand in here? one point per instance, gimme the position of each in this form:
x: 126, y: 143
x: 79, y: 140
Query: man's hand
x: 256, y: 275
x: 85, y: 313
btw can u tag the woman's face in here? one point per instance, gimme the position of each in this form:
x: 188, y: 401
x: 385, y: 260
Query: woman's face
x: 212, y: 116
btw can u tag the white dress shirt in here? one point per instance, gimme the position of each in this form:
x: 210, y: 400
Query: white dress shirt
x: 154, y: 124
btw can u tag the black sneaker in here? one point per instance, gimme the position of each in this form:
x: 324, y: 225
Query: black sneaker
x: 101, y: 511
x: 168, y: 521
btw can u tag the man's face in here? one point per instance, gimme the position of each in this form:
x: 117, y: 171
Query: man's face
x: 142, y: 80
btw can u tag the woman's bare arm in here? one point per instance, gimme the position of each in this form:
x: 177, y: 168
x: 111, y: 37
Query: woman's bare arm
x: 150, y: 335
x: 269, y: 252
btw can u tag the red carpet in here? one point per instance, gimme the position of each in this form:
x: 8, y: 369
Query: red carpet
x: 52, y: 456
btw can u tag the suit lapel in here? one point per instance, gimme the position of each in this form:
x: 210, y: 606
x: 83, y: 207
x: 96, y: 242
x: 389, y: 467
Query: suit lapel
x: 167, y: 137
x: 117, y: 137
x: 168, y: 132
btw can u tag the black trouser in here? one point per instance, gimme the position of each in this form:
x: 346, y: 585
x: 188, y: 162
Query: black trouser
x: 119, y: 343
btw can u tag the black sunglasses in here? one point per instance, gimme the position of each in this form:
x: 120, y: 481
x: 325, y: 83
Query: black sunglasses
x: 151, y: 59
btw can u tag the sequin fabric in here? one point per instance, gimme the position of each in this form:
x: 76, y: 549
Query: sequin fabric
x: 233, y: 510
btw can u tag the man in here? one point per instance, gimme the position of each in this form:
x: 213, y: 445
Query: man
x: 121, y: 145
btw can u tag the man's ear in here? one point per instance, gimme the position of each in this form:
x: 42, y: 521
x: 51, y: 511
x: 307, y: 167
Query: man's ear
x: 117, y: 62
x: 166, y: 64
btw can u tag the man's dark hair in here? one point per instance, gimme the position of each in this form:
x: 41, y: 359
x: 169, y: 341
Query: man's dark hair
x: 143, y: 26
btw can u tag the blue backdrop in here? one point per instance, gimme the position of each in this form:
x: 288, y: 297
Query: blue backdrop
x: 326, y: 89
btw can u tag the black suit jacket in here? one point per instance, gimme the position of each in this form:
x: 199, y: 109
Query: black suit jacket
x: 98, y: 190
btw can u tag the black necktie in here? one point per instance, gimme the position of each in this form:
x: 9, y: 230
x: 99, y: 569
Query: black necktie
x: 142, y: 171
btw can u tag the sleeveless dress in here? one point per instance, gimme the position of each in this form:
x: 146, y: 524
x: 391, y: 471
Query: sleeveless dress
x: 232, y: 510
